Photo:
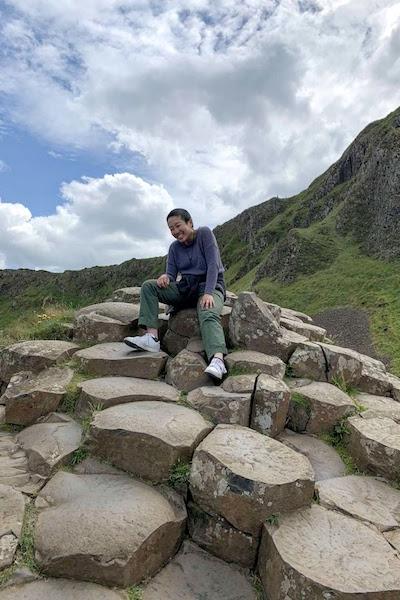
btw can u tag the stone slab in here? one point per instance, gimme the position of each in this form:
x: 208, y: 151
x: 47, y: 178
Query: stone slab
x: 378, y: 406
x: 219, y: 406
x: 60, y: 589
x: 250, y: 361
x: 270, y: 405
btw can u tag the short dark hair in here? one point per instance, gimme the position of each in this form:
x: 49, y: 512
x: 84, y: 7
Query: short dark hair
x: 180, y: 212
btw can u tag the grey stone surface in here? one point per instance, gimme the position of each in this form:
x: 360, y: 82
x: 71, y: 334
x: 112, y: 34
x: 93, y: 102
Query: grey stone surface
x: 319, y: 554
x: 127, y: 294
x: 374, y: 444
x: 186, y: 371
x: 394, y: 386
x: 196, y: 575
x: 109, y: 391
x: 30, y: 396
x: 60, y: 589
x: 308, y: 360
x: 246, y: 477
x: 270, y: 405
x: 118, y: 359
x: 147, y: 438
x: 311, y: 332
x: 378, y: 406
x: 217, y: 536
x: 14, y: 469
x: 107, y: 529
x: 393, y: 537
x: 12, y: 506
x: 250, y: 361
x: 34, y: 356
x: 239, y: 383
x: 289, y: 313
x: 252, y: 324
x: 317, y: 407
x: 124, y: 312
x: 219, y: 406
x: 50, y: 444
x: 364, y: 498
x: 324, y: 459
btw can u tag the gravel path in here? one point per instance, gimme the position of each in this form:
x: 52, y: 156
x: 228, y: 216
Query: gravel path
x: 349, y: 327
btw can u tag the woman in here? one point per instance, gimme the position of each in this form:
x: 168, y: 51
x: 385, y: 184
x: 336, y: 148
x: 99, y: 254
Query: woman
x: 195, y: 255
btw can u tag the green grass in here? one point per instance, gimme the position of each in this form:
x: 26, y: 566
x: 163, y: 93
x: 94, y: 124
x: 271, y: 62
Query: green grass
x: 301, y: 401
x: 241, y: 370
x: 336, y: 439
x: 79, y: 455
x: 135, y: 592
x: 272, y: 519
x: 340, y: 382
x: 73, y: 391
x: 179, y: 474
x: 26, y: 553
x: 257, y: 587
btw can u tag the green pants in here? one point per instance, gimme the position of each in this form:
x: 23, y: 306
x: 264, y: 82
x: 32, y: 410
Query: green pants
x: 212, y: 333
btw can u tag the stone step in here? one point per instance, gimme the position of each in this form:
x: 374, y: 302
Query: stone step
x: 270, y: 405
x: 240, y: 384
x: 108, y: 529
x: 30, y: 396
x: 60, y: 589
x: 195, y: 574
x: 250, y: 361
x: 110, y: 391
x: 324, y: 459
x: 364, y: 498
x: 219, y: 406
x: 311, y: 332
x: 51, y: 443
x: 118, y: 359
x: 186, y: 371
x: 246, y: 477
x: 147, y: 438
x: 34, y: 355
x: 316, y: 553
x: 317, y: 406
x: 106, y: 322
x: 374, y: 444
x: 14, y: 469
x: 12, y: 507
x: 378, y: 406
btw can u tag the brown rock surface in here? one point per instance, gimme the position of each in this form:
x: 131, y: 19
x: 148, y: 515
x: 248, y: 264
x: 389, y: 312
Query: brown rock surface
x: 245, y: 477
x: 324, y: 459
x: 364, y: 498
x: 270, y: 405
x: 308, y: 360
x: 30, y: 396
x: 186, y: 371
x: 196, y: 575
x: 317, y: 407
x: 14, y: 469
x: 109, y: 391
x: 108, y: 529
x: 117, y: 359
x: 220, y: 406
x: 374, y: 444
x: 50, y: 444
x: 34, y: 356
x: 60, y: 589
x: 250, y: 361
x: 147, y: 438
x: 317, y: 553
x: 394, y: 386
x: 216, y: 535
x: 239, y: 383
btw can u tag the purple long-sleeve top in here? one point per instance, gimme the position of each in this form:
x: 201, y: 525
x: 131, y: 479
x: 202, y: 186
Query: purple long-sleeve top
x: 201, y: 257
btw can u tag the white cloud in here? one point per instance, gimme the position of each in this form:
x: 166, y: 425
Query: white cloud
x: 229, y: 103
x: 3, y: 166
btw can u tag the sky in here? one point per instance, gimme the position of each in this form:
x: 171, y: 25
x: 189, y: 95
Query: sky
x: 113, y: 112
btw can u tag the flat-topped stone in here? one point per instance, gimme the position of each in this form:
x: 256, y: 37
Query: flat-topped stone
x: 317, y: 407
x: 106, y: 322
x: 249, y: 361
x: 186, y: 371
x: 216, y: 535
x: 324, y: 459
x: 308, y: 360
x: 33, y: 355
x: 270, y: 405
x: 219, y: 406
x: 14, y: 469
x: 127, y: 294
x: 374, y: 444
x: 118, y: 359
x: 311, y: 332
x: 50, y: 443
x: 30, y: 396
x: 240, y: 383
x: 245, y: 477
x: 315, y: 553
x: 195, y: 574
x: 12, y: 506
x: 60, y: 589
x: 124, y: 312
x: 364, y: 498
x: 109, y: 391
x: 289, y: 313
x: 108, y: 529
x: 378, y: 406
x: 147, y: 438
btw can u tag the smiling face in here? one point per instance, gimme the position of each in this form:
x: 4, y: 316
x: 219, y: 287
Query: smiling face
x: 181, y: 230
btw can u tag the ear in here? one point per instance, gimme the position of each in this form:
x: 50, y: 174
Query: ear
x: 190, y: 222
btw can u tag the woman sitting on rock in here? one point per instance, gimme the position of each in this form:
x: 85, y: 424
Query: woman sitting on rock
x: 195, y: 255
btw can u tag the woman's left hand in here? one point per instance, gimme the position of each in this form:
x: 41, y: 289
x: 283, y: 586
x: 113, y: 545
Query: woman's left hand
x: 206, y: 301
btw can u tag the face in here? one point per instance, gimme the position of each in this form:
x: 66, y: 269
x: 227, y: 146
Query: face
x: 180, y: 230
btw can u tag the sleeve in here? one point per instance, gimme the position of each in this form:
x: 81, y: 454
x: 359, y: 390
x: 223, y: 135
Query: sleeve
x: 211, y: 254
x: 172, y: 269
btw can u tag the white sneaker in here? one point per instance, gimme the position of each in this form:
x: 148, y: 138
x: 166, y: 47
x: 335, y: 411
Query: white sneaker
x: 143, y: 342
x: 216, y: 368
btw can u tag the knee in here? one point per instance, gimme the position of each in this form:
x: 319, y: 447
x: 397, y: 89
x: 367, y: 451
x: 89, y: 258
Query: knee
x: 207, y: 316
x: 148, y: 286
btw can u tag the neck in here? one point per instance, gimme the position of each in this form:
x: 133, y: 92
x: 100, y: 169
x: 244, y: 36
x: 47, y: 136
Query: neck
x: 191, y: 238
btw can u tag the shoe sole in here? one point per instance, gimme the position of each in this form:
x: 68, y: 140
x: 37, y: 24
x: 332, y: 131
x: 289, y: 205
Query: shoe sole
x: 137, y: 347
x: 214, y: 376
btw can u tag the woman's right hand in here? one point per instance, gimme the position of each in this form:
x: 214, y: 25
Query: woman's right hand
x: 163, y: 281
